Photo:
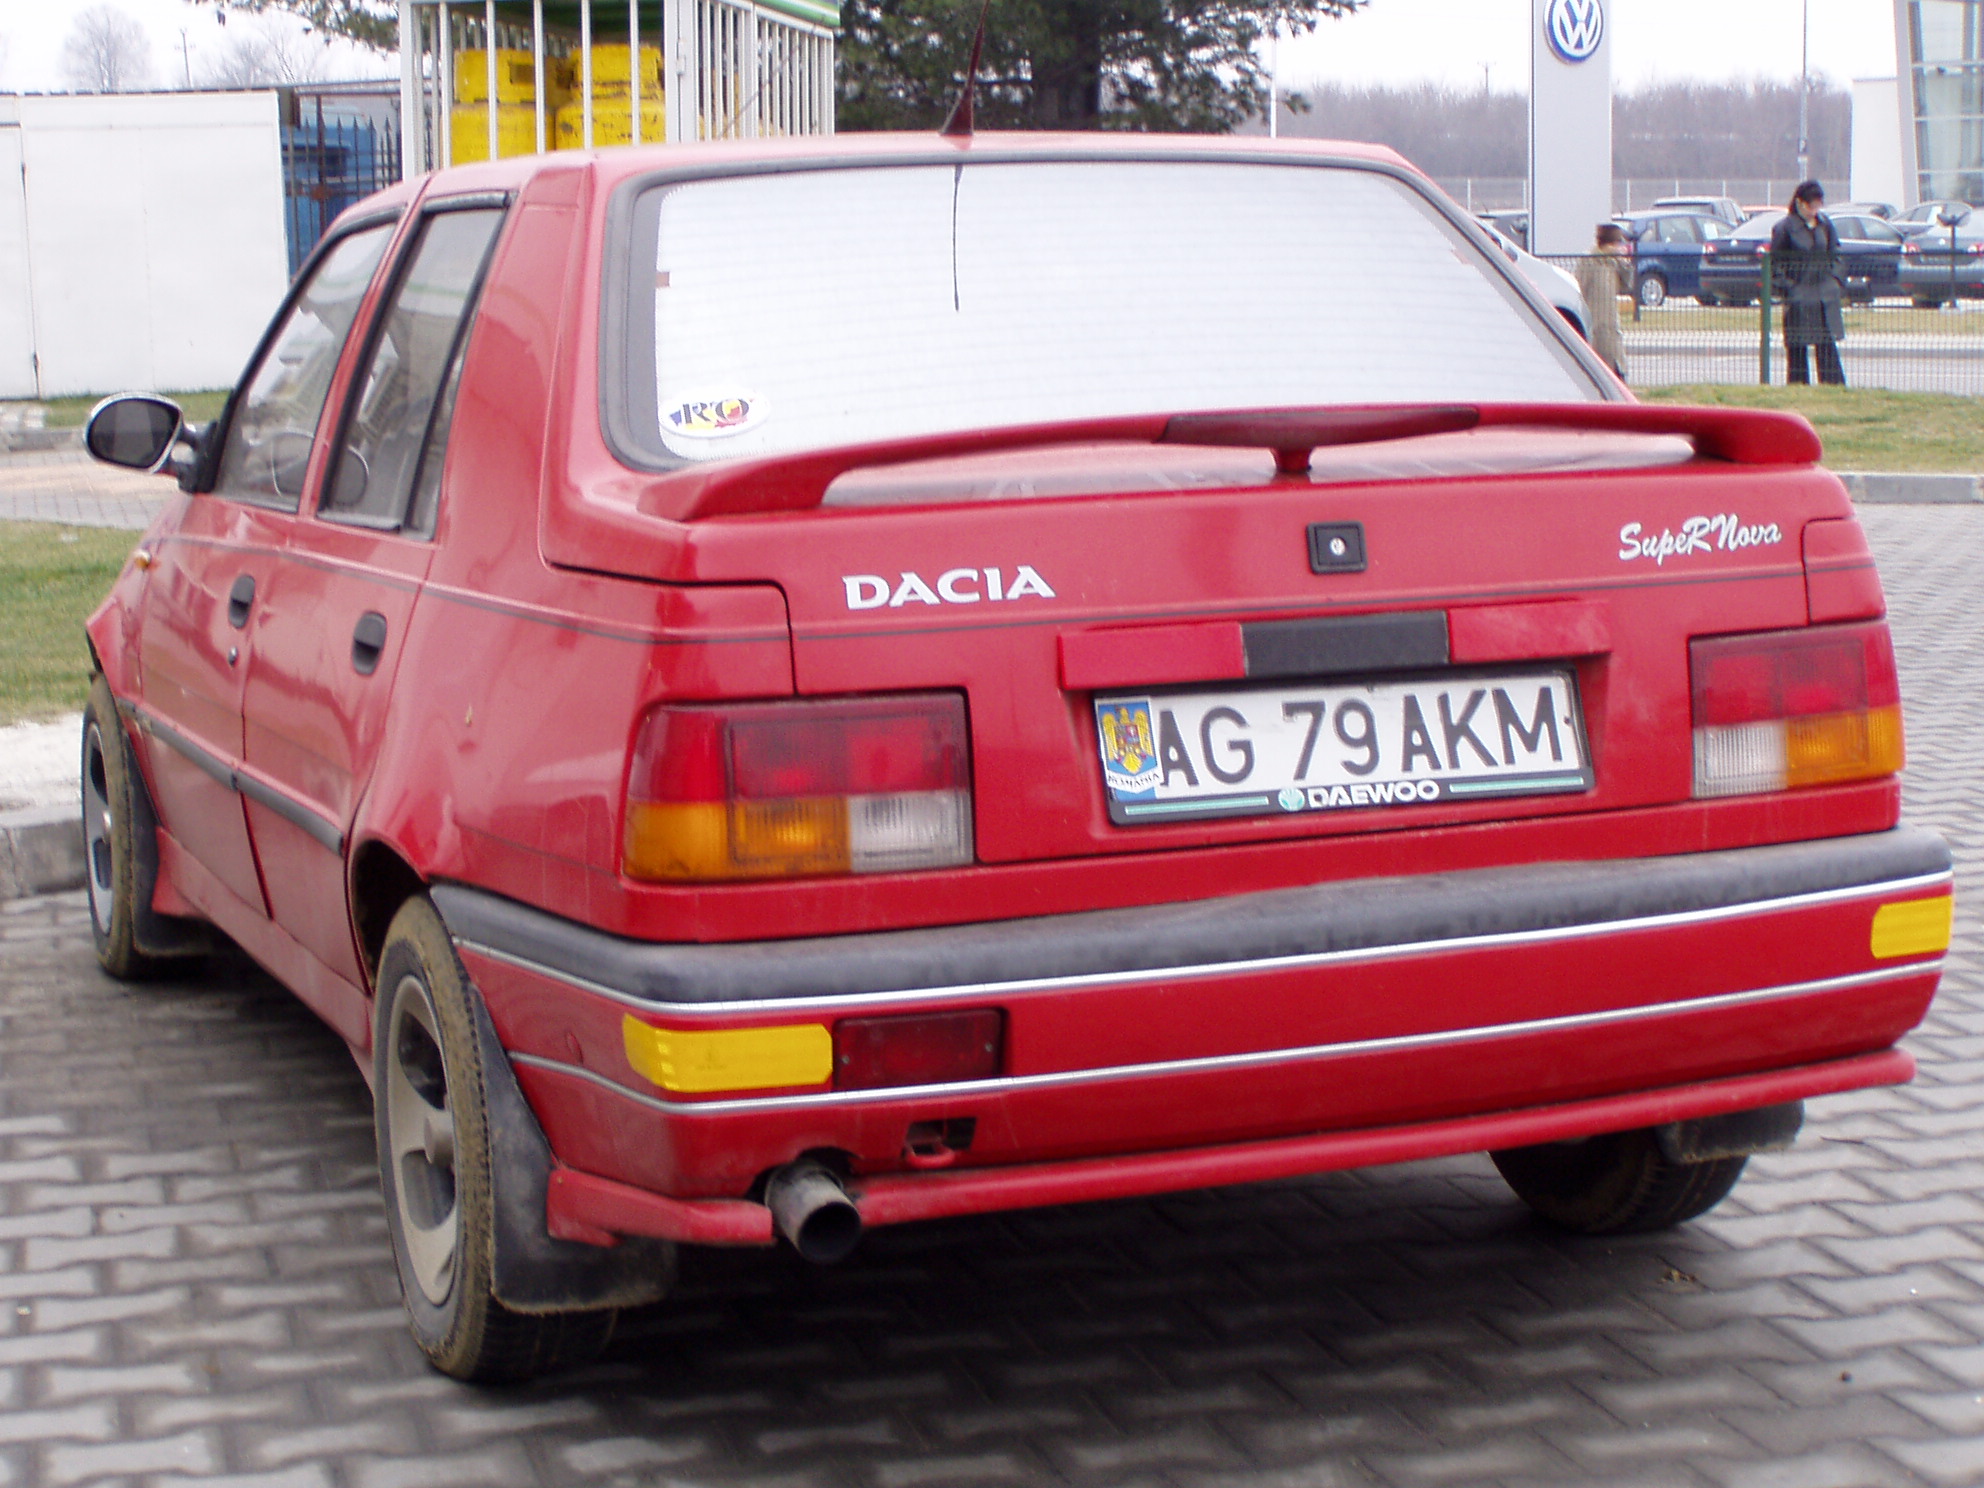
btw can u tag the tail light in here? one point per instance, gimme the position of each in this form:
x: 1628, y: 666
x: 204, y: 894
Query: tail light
x: 773, y: 790
x: 1784, y: 709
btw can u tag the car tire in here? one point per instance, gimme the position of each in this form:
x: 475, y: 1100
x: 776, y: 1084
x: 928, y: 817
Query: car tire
x: 1618, y: 1183
x: 1708, y: 300
x: 120, y: 871
x: 1652, y: 291
x: 1924, y: 302
x: 435, y: 1173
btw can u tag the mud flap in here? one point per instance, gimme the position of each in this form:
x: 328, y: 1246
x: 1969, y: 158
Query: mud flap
x: 153, y: 933
x: 1738, y: 1134
x: 529, y: 1271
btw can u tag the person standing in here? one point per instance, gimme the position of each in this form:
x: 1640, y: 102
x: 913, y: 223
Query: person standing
x: 1804, y: 259
x: 1604, y: 275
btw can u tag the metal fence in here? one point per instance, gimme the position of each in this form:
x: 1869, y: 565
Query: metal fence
x: 1629, y: 193
x: 327, y: 164
x: 1914, y: 337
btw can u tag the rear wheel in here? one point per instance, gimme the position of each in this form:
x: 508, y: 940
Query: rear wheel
x: 1652, y: 290
x: 434, y: 1169
x: 1925, y: 302
x: 1618, y: 1183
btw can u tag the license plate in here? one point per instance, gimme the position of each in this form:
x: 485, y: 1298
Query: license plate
x: 1345, y: 746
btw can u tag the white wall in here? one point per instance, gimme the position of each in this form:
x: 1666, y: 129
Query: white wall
x: 155, y: 237
x: 16, y: 309
x: 1875, y: 166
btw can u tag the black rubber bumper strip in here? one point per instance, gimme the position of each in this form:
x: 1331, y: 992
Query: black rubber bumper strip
x: 1362, y: 915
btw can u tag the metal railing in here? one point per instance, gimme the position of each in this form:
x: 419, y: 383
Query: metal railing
x: 1919, y: 334
x: 492, y: 78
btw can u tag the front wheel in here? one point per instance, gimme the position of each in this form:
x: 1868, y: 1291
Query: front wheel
x: 1652, y: 291
x: 434, y: 1169
x: 121, y: 871
x: 1618, y: 1183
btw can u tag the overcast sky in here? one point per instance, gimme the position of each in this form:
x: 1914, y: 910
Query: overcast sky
x: 1452, y: 40
x: 1388, y: 41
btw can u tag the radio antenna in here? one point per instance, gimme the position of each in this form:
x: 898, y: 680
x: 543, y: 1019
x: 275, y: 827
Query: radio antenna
x: 958, y: 126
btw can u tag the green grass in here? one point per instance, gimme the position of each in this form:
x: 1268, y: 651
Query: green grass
x: 68, y: 413
x: 1864, y: 428
x: 51, y: 579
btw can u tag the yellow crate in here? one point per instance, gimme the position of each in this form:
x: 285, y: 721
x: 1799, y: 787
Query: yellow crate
x: 613, y: 122
x: 516, y: 77
x: 609, y: 71
x: 516, y: 131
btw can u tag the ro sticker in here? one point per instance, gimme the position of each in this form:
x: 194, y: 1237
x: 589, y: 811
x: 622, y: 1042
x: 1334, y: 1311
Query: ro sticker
x: 714, y: 418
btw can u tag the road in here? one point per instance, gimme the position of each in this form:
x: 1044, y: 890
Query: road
x: 195, y: 1284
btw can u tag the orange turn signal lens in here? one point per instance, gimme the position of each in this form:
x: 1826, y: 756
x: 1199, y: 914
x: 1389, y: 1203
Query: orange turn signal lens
x: 1842, y: 746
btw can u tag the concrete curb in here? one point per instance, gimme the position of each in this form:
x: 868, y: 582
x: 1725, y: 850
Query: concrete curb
x: 41, y: 851
x: 1903, y: 489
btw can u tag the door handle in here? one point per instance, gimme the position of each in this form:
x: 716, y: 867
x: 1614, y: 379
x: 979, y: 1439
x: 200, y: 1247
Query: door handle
x: 368, y: 642
x: 239, y: 598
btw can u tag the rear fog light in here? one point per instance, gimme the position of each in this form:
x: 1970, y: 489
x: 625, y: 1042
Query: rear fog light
x: 773, y: 790
x: 917, y: 1049
x: 1784, y: 709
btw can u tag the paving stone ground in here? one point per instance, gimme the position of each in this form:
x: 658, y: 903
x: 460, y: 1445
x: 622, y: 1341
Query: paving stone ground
x: 195, y: 1285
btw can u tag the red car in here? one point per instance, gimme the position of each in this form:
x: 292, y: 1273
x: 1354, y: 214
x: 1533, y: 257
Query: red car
x: 767, y: 691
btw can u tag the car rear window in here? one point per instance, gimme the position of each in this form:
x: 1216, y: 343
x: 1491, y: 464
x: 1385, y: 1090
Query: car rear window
x: 802, y: 310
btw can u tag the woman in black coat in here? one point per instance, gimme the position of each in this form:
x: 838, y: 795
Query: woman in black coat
x: 1804, y: 260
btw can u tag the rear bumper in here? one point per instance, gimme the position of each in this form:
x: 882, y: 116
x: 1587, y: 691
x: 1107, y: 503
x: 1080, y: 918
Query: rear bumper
x: 584, y: 1207
x: 1227, y: 1039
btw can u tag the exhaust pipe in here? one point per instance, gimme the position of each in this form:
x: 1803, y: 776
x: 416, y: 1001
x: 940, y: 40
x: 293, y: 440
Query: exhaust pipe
x: 813, y: 1212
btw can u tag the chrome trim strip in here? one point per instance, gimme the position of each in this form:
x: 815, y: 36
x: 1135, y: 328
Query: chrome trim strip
x: 1317, y: 1052
x: 1212, y: 969
x: 321, y: 829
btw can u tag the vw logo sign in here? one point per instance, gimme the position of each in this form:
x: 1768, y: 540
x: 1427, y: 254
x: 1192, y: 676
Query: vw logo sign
x: 1574, y: 28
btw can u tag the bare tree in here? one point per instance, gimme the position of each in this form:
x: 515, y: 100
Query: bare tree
x: 106, y: 52
x: 267, y: 56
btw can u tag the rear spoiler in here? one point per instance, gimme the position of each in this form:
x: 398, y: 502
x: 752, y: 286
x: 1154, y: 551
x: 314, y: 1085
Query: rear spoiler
x: 799, y: 481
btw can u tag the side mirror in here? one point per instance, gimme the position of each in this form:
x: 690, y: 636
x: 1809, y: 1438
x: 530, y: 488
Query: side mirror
x: 135, y: 430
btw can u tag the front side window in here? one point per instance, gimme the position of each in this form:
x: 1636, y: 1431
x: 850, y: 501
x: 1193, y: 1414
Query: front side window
x: 388, y: 431
x: 275, y: 418
x: 780, y: 312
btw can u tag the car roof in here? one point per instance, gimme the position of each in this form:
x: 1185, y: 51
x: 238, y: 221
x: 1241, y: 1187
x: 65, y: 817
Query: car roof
x: 612, y: 166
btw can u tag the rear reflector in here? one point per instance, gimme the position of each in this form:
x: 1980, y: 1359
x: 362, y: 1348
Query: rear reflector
x: 917, y: 1049
x: 698, y: 1061
x: 1784, y: 709
x: 1915, y: 927
x: 772, y: 790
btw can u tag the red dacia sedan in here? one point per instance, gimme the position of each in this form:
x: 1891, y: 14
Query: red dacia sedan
x: 771, y: 690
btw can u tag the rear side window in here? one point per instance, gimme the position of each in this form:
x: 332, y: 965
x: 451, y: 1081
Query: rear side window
x: 802, y: 310
x: 391, y: 433
x: 275, y: 418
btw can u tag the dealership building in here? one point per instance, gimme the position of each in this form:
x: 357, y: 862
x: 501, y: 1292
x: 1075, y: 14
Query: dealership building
x: 1939, y: 51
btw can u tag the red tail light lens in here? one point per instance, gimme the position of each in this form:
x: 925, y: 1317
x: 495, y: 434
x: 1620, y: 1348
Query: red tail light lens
x: 770, y: 790
x: 1783, y: 709
x: 917, y: 1049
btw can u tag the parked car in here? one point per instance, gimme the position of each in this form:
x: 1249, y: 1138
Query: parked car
x: 1556, y: 285
x: 1667, y: 253
x: 1925, y: 215
x: 770, y: 689
x: 1723, y: 209
x: 1883, y: 210
x: 1870, y: 253
x: 1511, y: 223
x: 1942, y: 265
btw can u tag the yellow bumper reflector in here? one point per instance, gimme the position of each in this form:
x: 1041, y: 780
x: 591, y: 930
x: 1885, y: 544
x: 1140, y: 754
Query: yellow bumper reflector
x: 696, y: 1062
x: 1914, y: 928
